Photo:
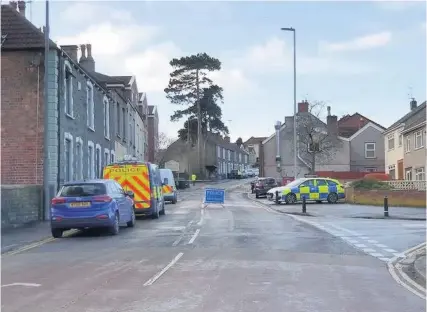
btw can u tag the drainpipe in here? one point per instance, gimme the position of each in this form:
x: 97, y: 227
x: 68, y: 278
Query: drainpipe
x: 278, y: 158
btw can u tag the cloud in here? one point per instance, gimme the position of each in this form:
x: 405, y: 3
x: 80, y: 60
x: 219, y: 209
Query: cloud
x: 357, y: 44
x: 275, y: 56
x: 232, y: 80
x: 398, y: 5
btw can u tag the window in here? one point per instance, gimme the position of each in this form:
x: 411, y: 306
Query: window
x: 331, y: 183
x: 370, y: 150
x: 90, y: 160
x: 90, y: 106
x: 68, y: 159
x: 118, y: 119
x: 408, y: 145
x: 307, y: 183
x: 400, y: 139
x: 370, y: 169
x: 321, y: 182
x: 106, y: 156
x: 79, y: 159
x: 106, y: 118
x: 98, y: 162
x: 112, y: 156
x: 408, y: 174
x: 133, y: 130
x: 391, y: 141
x: 123, y: 124
x: 68, y: 90
x: 419, y: 139
x: 223, y: 153
x: 218, y: 152
x: 420, y: 174
x: 229, y: 155
x: 240, y: 157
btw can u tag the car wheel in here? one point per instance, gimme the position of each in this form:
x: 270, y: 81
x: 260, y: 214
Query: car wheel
x: 291, y: 198
x: 318, y: 201
x: 131, y: 223
x: 163, y: 211
x: 333, y: 198
x: 57, y: 233
x: 174, y: 200
x: 256, y: 195
x: 115, y: 228
x: 156, y: 213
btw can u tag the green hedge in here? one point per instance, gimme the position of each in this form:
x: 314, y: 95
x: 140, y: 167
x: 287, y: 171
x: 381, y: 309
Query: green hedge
x: 371, y: 184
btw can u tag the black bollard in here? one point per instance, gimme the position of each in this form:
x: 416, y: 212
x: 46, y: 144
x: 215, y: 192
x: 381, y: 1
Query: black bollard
x: 277, y: 197
x: 385, y: 206
x: 304, y: 210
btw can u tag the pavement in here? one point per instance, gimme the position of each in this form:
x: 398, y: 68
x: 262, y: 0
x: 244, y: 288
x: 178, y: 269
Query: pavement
x: 241, y: 256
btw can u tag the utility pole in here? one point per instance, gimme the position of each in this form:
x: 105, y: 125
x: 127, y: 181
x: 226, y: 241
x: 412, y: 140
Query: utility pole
x: 199, y: 123
x: 46, y: 162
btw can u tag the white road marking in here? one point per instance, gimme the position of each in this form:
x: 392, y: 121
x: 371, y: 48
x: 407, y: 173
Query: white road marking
x: 390, y: 250
x: 364, y: 237
x: 381, y: 245
x: 372, y: 241
x: 202, y: 217
x: 158, y: 275
x: 194, y: 236
x: 384, y: 259
x: 352, y: 241
x: 360, y: 245
x: 22, y: 284
x: 368, y: 250
x: 376, y: 254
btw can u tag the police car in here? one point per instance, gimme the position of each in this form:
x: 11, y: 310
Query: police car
x: 313, y: 189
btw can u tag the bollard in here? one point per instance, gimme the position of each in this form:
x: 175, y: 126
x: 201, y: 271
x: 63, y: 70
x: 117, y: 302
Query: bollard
x: 277, y: 197
x: 303, y: 205
x: 385, y: 206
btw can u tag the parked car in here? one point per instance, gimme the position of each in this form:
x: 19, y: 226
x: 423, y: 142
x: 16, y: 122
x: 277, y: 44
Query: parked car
x: 263, y: 185
x: 169, y: 186
x: 91, y: 204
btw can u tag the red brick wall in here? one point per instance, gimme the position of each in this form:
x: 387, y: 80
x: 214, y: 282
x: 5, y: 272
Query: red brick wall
x: 343, y: 175
x: 21, y: 138
x: 396, y: 198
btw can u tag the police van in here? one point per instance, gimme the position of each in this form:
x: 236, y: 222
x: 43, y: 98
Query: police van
x: 143, y: 180
x: 169, y: 188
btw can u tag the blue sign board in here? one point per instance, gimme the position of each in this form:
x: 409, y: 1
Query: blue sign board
x: 214, y: 196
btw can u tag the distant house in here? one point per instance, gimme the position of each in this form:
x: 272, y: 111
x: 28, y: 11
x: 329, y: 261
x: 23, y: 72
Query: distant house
x: 219, y: 157
x: 254, y: 145
x: 358, y: 146
x: 404, y: 141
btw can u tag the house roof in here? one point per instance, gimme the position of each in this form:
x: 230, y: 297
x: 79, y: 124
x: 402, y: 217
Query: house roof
x: 348, y: 125
x: 418, y: 119
x: 152, y: 109
x: 408, y: 118
x: 218, y: 140
x: 105, y: 79
x: 19, y: 33
x: 254, y: 140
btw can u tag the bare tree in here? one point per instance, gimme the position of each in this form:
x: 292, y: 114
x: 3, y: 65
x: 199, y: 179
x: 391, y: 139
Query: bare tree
x: 163, y: 142
x: 316, y: 143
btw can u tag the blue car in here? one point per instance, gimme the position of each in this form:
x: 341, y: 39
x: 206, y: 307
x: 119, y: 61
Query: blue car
x: 91, y: 204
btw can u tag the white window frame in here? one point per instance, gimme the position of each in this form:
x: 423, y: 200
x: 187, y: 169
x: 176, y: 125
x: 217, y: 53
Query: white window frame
x: 112, y: 156
x: 91, y: 166
x: 408, y: 174
x: 218, y: 151
x: 371, y: 169
x: 223, y: 153
x: 106, y: 153
x: 400, y: 139
x: 370, y: 150
x: 229, y: 155
x: 408, y: 144
x: 69, y: 138
x: 240, y: 157
x: 390, y: 138
x: 68, y: 91
x: 90, y: 104
x: 80, y: 173
x: 101, y: 156
x: 420, y: 174
x: 418, y: 135
x: 106, y: 105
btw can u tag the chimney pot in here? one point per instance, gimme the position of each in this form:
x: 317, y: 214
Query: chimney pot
x: 303, y: 107
x: 71, y: 50
x: 14, y: 4
x: 413, y: 104
x: 83, y: 49
x: 329, y: 110
x: 21, y: 7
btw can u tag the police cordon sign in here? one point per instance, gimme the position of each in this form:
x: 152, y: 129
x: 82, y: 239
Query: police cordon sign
x: 214, y: 196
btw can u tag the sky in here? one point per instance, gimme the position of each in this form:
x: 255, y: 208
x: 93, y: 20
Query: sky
x: 365, y: 57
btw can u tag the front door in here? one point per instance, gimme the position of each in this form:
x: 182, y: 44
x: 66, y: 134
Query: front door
x: 400, y: 169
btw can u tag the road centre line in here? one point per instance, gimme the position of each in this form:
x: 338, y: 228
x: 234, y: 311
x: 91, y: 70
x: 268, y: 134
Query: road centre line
x: 164, y: 270
x: 193, y: 238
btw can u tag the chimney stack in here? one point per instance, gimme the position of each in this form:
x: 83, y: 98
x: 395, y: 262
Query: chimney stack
x: 71, y: 50
x: 21, y: 7
x: 329, y: 110
x: 14, y: 4
x: 413, y: 104
x: 87, y: 62
x: 83, y: 57
x: 332, y: 125
x: 227, y: 139
x: 303, y: 107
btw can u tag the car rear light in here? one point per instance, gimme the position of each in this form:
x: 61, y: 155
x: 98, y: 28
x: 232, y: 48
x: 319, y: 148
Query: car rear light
x: 58, y: 200
x: 103, y: 216
x: 102, y: 199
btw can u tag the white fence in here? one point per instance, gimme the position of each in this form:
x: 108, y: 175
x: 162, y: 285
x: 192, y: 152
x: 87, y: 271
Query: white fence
x: 408, y: 185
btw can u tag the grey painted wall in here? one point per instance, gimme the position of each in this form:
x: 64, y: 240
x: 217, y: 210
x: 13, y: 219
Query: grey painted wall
x: 358, y: 161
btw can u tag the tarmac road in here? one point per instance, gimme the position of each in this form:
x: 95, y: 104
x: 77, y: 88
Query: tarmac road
x: 240, y: 257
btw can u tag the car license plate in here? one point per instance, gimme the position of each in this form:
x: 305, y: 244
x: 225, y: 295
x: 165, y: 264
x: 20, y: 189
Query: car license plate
x: 80, y: 204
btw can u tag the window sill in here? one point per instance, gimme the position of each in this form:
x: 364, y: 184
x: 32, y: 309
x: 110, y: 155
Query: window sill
x: 418, y: 148
x: 70, y: 116
x: 107, y: 138
x: 91, y: 129
x: 371, y: 157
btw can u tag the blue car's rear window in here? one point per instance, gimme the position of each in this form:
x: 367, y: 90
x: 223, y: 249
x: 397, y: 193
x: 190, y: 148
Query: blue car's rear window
x: 86, y: 189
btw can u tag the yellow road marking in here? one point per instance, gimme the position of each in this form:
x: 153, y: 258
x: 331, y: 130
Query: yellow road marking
x: 37, y: 244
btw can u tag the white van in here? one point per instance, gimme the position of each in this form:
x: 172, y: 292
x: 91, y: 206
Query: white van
x: 169, y: 188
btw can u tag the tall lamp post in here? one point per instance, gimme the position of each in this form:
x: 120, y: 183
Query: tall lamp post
x: 46, y: 160
x: 295, y: 99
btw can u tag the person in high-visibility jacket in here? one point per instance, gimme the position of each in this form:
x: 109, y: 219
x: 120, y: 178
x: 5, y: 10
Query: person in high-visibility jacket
x: 193, y: 178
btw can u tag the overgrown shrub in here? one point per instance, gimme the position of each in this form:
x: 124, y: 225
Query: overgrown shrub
x: 371, y: 184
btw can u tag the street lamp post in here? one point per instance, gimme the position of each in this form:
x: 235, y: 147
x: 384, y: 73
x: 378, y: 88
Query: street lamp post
x: 295, y: 99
